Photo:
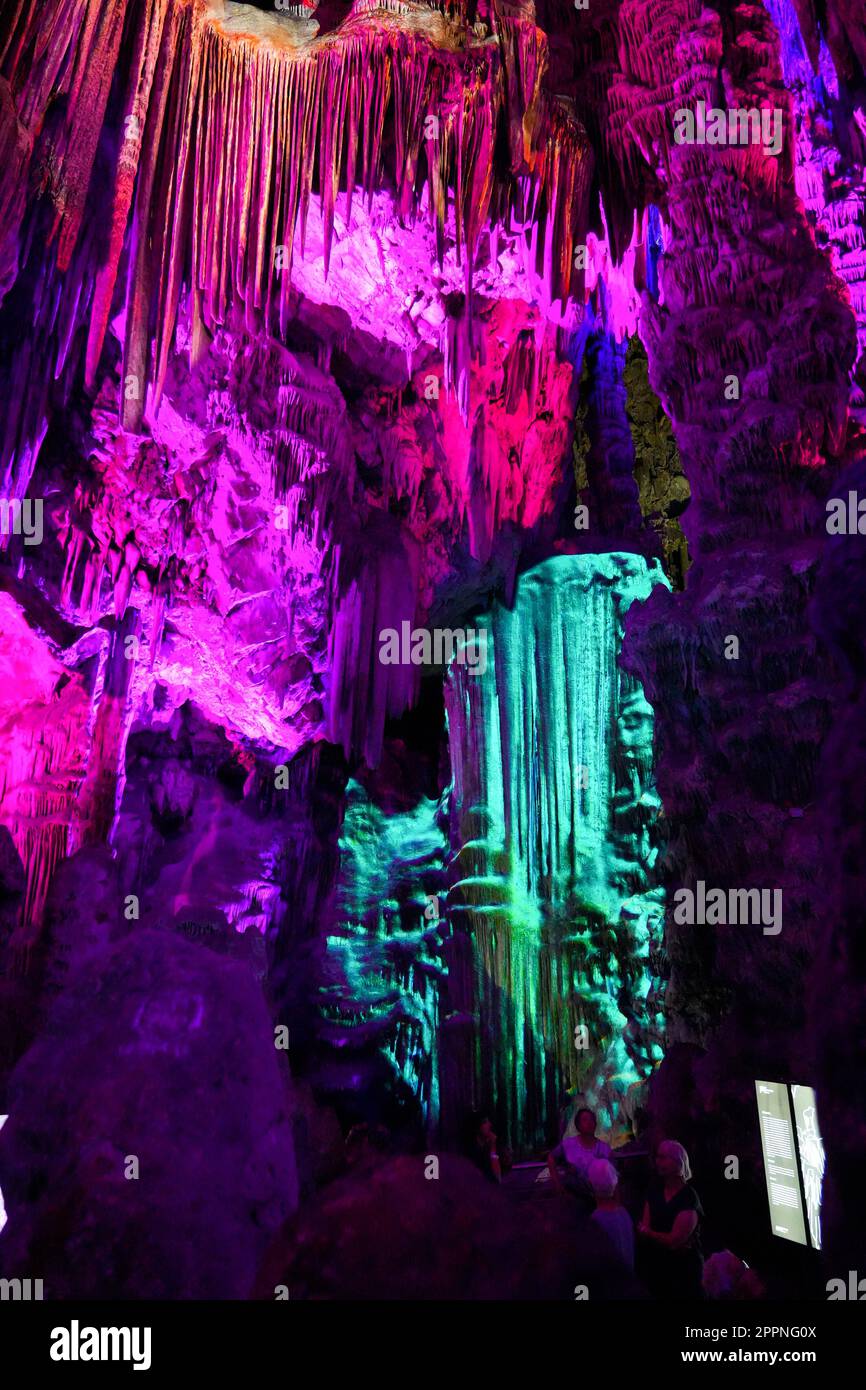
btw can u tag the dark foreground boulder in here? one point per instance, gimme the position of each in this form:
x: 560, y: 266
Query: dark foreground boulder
x: 389, y: 1232
x: 149, y: 1149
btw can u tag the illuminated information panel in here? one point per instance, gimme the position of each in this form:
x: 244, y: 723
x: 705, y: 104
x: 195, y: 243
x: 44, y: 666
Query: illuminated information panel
x: 780, y: 1161
x: 811, y: 1151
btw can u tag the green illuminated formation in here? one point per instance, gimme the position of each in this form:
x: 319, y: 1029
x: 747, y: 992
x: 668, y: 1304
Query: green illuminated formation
x: 542, y: 974
x: 554, y: 809
x: 383, y: 968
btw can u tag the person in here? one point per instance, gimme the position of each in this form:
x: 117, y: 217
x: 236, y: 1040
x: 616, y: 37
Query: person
x: 577, y: 1151
x: 609, y: 1214
x: 727, y: 1278
x: 485, y: 1153
x: 670, y: 1227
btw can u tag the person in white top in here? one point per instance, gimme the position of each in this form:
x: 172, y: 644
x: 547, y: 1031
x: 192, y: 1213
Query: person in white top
x: 577, y: 1151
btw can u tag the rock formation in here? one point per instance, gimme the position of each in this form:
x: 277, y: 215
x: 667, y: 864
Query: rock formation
x: 324, y: 322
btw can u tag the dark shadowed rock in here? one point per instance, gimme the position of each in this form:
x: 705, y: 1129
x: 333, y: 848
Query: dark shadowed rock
x: 163, y: 1051
x: 84, y: 914
x: 13, y: 879
x: 389, y: 1232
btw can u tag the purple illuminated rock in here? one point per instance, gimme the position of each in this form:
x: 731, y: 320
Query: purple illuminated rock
x: 150, y: 1151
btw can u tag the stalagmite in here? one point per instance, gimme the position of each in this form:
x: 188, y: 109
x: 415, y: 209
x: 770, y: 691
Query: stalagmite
x: 556, y: 866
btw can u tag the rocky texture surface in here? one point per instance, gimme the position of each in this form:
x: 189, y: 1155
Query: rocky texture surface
x: 389, y: 1233
x: 745, y: 293
x: 554, y: 815
x: 310, y: 349
x: 149, y: 1149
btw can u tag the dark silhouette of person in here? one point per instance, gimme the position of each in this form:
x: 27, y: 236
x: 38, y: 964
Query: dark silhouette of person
x: 728, y: 1279
x: 483, y: 1149
x: 671, y: 1259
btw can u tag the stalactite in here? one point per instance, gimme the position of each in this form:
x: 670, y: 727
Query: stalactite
x: 225, y: 122
x: 103, y: 784
x: 148, y: 42
x: 70, y: 54
x: 42, y: 767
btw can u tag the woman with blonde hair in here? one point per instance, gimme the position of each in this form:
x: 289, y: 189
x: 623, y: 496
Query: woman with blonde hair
x: 670, y: 1228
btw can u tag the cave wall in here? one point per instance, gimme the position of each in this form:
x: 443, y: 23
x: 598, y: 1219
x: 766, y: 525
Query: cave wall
x: 312, y: 352
x: 747, y: 293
